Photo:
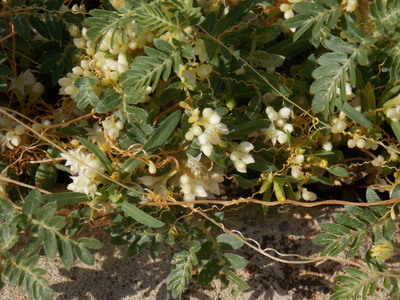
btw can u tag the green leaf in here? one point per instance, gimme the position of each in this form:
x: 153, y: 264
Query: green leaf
x: 50, y: 244
x: 40, y: 26
x: 355, y: 273
x: 348, y: 221
x: 235, y: 261
x: 338, y: 171
x: 138, y: 245
x: 155, y: 245
x: 85, y: 95
x: 32, y: 203
x: 57, y: 223
x: 109, y: 99
x: 237, y: 281
x: 205, y: 252
x: 90, y: 243
x: 243, y: 182
x: 332, y: 58
x: 336, y: 44
x: 147, y: 70
x: 210, y: 270
x: 261, y: 164
x: 324, y: 238
x: 54, y: 27
x: 53, y: 5
x: 388, y: 229
x: 353, y: 114
x: 267, y: 34
x: 99, y: 154
x: 243, y: 129
x: 66, y: 253
x: 46, y: 176
x: 266, y: 60
x: 234, y: 14
x: 7, y: 210
x: 163, y: 132
x: 335, y: 228
x: 65, y: 198
x: 47, y: 211
x: 308, y: 8
x: 3, y: 85
x: 21, y: 26
x: 73, y: 18
x: 297, y: 21
x: 136, y: 114
x: 229, y: 242
x: 8, y: 236
x: 140, y: 216
x: 130, y: 165
x: 354, y: 247
x: 362, y: 214
x: 84, y: 255
x: 378, y: 210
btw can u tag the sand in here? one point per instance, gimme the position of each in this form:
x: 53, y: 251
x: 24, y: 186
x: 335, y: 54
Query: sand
x: 117, y: 277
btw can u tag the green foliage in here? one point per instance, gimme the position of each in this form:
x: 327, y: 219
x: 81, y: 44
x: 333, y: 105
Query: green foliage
x: 357, y: 283
x: 313, y: 16
x: 22, y: 271
x: 148, y: 70
x: 181, y: 274
x: 142, y: 107
x: 347, y: 235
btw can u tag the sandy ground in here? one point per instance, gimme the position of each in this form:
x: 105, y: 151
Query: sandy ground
x: 116, y: 277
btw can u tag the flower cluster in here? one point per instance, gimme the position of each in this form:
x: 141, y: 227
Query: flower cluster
x: 11, y: 133
x: 198, y: 181
x: 85, y: 168
x: 207, y: 129
x: 26, y: 85
x: 241, y: 157
x: 106, y: 62
x: 382, y: 250
x: 201, y: 71
x: 338, y: 123
x: 279, y: 128
x: 295, y: 164
x: 112, y: 128
x: 361, y: 143
x: 393, y: 113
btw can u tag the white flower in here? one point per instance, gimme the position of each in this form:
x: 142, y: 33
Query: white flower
x: 351, y: 5
x: 86, y: 167
x: 158, y: 184
x: 194, y: 165
x: 241, y: 157
x: 274, y: 135
x: 349, y: 91
x: 296, y: 172
x: 212, y: 129
x: 307, y: 195
x: 74, y: 160
x: 393, y: 113
x: 198, y: 187
x: 379, y: 161
x: 112, y: 128
x: 83, y: 184
x: 192, y: 188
